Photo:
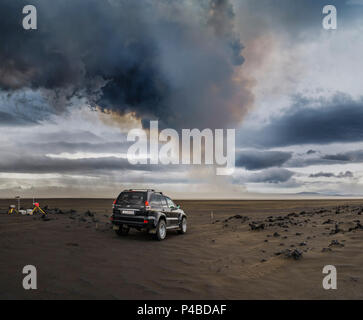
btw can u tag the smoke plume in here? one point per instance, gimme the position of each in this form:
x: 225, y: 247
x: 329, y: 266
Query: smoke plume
x: 169, y: 60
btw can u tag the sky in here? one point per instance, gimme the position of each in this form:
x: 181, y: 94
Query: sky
x: 71, y: 91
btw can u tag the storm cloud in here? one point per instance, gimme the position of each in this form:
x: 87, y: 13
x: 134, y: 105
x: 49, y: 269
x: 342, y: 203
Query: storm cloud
x: 167, y: 60
x: 256, y: 160
x: 94, y: 69
x: 318, y: 121
x: 346, y: 174
x: 350, y: 156
x: 272, y: 175
x: 13, y: 163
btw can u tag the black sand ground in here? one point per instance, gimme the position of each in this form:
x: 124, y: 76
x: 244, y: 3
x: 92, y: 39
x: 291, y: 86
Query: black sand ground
x: 250, y: 250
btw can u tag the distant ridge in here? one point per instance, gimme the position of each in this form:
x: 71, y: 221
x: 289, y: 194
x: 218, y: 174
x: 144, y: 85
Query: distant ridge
x: 325, y: 194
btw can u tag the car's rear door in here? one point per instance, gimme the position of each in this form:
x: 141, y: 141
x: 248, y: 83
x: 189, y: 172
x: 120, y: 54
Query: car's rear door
x: 155, y: 203
x: 173, y: 213
x: 166, y: 211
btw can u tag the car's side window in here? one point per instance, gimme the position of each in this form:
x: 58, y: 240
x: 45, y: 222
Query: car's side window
x: 155, y: 201
x: 170, y: 203
x: 163, y: 202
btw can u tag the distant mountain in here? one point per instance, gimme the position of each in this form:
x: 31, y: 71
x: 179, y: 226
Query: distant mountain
x: 309, y: 193
x: 325, y: 194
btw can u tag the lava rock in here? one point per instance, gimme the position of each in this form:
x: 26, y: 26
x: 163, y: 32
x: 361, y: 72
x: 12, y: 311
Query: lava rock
x: 357, y: 227
x: 89, y: 213
x: 328, y: 221
x: 336, y: 243
x: 295, y: 254
x: 336, y: 230
x: 257, y: 226
x: 237, y: 216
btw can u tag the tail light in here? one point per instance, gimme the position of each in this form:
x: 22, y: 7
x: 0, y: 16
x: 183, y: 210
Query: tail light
x: 113, y: 204
x: 147, y: 206
x: 146, y: 221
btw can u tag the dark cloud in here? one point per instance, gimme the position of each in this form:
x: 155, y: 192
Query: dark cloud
x: 350, y: 156
x: 16, y: 163
x: 256, y: 160
x: 341, y: 157
x: 322, y: 174
x: 166, y: 60
x: 35, y: 158
x: 71, y: 147
x: 7, y: 119
x: 299, y: 160
x: 321, y: 121
x: 273, y: 175
x: 23, y: 107
x: 346, y: 174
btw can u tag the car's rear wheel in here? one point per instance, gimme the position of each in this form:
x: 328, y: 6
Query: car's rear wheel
x: 161, y: 230
x: 183, y: 226
x: 123, y: 230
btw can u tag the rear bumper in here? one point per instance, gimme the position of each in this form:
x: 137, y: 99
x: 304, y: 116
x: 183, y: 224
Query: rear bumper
x: 135, y: 222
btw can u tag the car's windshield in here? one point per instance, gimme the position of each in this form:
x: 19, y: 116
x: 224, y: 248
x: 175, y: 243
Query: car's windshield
x: 132, y: 198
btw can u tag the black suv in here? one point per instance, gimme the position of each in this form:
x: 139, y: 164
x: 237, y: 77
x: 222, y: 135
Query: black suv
x: 146, y: 209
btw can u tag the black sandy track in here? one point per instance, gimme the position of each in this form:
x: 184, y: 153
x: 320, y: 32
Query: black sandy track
x: 78, y: 256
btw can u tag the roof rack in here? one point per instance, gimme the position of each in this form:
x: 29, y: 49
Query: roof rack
x: 147, y: 190
x: 140, y: 190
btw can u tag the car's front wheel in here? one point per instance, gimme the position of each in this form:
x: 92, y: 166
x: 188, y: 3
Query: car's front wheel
x: 183, y: 226
x: 161, y: 230
x: 122, y: 230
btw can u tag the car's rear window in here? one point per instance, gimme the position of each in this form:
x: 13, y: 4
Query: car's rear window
x: 131, y: 198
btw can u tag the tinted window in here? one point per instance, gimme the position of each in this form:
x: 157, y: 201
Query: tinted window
x: 163, y: 201
x: 170, y: 203
x: 131, y: 198
x: 155, y: 200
